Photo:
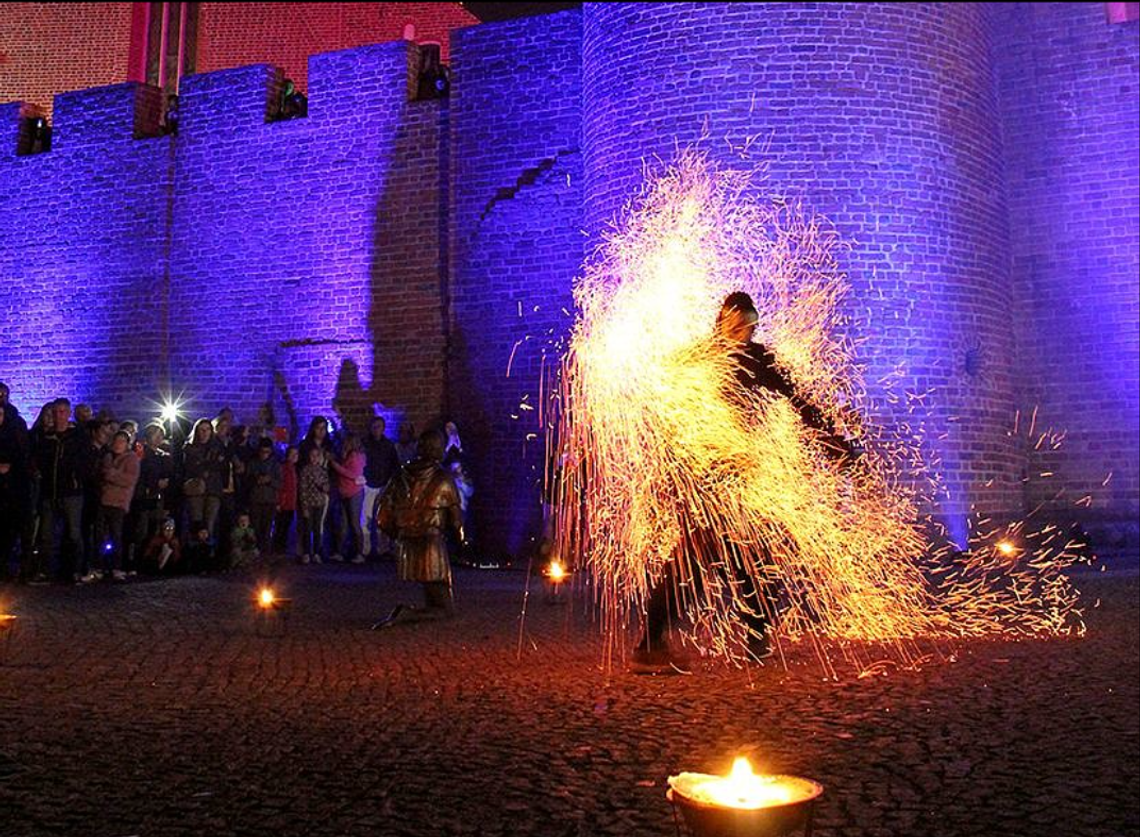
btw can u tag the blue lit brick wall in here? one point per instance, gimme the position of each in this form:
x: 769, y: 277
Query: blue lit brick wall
x: 882, y: 117
x: 1070, y: 94
x: 405, y: 254
x: 82, y: 246
x: 516, y: 242
x: 306, y: 254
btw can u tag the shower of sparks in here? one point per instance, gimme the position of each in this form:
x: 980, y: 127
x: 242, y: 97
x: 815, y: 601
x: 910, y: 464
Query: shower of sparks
x: 657, y: 456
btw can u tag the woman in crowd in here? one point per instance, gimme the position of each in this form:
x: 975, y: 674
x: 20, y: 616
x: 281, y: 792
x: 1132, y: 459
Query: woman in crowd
x: 349, y: 469
x: 203, y: 476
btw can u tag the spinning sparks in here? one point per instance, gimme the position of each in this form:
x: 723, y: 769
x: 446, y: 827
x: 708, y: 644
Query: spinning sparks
x: 663, y: 457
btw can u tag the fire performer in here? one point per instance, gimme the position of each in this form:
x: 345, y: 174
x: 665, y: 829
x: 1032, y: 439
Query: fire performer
x: 755, y: 373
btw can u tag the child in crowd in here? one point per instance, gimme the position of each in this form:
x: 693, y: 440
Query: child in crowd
x: 243, y: 543
x: 120, y: 473
x: 314, y: 499
x: 200, y: 552
x: 163, y: 553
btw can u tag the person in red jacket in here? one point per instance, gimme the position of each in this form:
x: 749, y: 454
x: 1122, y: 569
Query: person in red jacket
x: 286, y: 503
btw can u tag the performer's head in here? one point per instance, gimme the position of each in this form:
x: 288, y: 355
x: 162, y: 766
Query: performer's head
x: 431, y: 446
x: 737, y: 318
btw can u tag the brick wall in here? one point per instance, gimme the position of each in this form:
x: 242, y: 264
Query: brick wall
x: 401, y: 255
x: 82, y: 252
x: 49, y: 48
x: 882, y: 117
x: 305, y: 255
x: 236, y: 34
x: 515, y: 245
x: 1070, y: 103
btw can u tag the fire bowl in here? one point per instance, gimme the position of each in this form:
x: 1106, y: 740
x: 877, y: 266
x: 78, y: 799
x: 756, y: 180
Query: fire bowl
x: 768, y: 819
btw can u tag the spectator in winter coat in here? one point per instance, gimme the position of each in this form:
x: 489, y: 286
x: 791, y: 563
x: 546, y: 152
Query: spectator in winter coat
x: 57, y: 455
x: 156, y: 470
x: 120, y: 474
x: 203, y: 476
x: 163, y: 552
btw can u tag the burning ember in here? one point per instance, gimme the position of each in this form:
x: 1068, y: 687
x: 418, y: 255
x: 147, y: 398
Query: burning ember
x: 265, y: 598
x: 555, y: 572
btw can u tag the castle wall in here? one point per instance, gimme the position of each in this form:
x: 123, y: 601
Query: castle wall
x: 305, y: 255
x: 83, y: 281
x: 1071, y: 115
x: 881, y: 117
x: 50, y: 48
x: 516, y: 243
x: 417, y: 258
x: 236, y: 34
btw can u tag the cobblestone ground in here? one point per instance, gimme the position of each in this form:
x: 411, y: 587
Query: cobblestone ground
x: 156, y: 708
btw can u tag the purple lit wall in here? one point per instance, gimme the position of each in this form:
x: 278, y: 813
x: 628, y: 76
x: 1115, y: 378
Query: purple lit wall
x: 399, y: 256
x: 516, y: 242
x: 306, y: 254
x: 881, y: 117
x: 82, y: 246
x: 1071, y: 98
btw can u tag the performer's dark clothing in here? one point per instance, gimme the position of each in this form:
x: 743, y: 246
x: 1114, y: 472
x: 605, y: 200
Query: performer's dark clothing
x: 756, y: 370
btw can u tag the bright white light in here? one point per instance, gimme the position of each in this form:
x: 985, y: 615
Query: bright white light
x: 171, y: 411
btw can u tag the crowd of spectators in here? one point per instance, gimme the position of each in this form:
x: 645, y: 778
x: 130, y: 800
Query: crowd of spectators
x: 85, y: 497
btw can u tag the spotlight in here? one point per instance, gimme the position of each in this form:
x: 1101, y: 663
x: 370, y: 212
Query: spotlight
x: 171, y: 411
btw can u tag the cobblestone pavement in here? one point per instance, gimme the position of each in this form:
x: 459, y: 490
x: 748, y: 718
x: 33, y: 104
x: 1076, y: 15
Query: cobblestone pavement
x: 156, y: 708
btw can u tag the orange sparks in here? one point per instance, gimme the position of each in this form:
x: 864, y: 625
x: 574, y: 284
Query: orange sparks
x: 657, y: 458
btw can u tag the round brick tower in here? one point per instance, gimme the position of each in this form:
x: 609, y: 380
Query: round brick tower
x: 884, y: 119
